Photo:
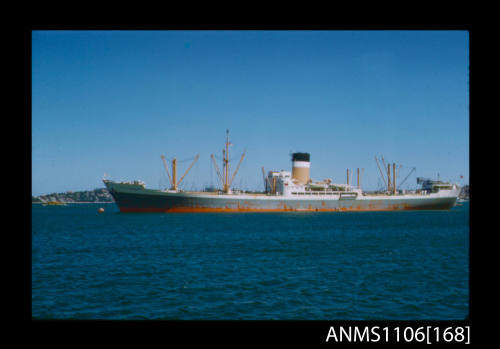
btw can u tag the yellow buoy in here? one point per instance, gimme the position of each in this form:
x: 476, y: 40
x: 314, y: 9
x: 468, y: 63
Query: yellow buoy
x: 101, y: 210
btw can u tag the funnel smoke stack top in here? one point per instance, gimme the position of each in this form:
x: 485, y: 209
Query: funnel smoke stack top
x: 301, y: 157
x: 300, y: 167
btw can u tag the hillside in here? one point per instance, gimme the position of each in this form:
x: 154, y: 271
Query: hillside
x: 96, y: 195
x: 464, y: 192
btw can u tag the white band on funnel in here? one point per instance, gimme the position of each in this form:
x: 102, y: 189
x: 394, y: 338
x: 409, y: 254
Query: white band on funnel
x: 303, y: 164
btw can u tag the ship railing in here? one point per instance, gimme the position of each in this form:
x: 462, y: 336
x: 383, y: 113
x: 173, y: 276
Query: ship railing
x: 323, y: 192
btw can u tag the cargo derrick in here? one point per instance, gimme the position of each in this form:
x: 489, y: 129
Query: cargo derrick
x: 174, y: 184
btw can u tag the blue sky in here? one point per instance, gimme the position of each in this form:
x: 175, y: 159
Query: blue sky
x: 114, y: 101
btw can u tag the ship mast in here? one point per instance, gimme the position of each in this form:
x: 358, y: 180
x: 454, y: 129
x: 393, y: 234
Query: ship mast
x: 394, y: 178
x: 389, y: 189
x: 173, y: 181
x: 226, y: 164
x: 174, y: 174
x: 226, y: 181
x: 166, y: 169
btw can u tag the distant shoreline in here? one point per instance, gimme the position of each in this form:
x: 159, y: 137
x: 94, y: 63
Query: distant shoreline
x: 79, y: 202
x: 99, y: 195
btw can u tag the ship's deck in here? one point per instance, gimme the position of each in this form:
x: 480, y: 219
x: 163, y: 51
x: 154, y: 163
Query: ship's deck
x: 221, y: 193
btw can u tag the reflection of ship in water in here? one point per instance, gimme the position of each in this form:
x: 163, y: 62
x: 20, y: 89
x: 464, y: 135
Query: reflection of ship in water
x: 284, y: 191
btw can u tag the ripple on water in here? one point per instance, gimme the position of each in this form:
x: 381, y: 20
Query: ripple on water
x: 406, y: 265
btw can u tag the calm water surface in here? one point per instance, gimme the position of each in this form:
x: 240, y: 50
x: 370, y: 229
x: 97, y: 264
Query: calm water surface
x: 308, y: 266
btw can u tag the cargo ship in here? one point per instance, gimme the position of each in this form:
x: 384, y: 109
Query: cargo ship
x: 285, y: 191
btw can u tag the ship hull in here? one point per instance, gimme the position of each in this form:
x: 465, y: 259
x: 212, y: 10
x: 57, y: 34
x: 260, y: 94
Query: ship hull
x: 132, y: 199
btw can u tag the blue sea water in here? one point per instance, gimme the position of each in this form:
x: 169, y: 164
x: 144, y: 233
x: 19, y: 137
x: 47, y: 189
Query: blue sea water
x: 201, y: 266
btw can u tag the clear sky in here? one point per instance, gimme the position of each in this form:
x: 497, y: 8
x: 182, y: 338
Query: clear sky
x: 114, y: 101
